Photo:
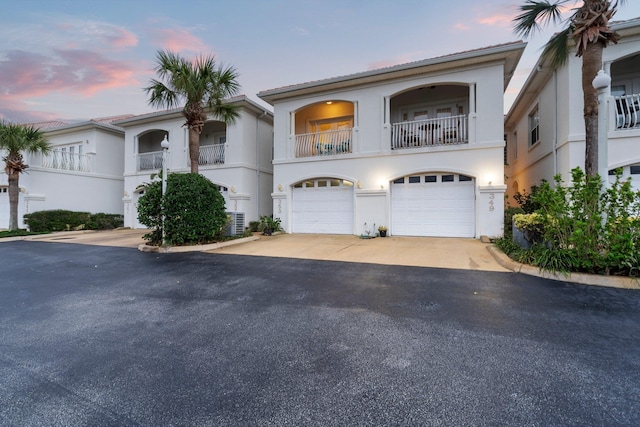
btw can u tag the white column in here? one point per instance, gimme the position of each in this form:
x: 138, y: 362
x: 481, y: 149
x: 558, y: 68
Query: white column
x: 472, y: 98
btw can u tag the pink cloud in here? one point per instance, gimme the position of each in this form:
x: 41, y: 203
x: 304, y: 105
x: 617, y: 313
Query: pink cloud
x: 122, y: 38
x: 26, y: 74
x: 181, y: 40
x: 498, y: 19
x: 78, y: 35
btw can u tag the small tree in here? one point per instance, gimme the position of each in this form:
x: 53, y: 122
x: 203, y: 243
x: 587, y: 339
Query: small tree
x: 589, y: 27
x: 200, y: 86
x: 193, y: 208
x: 16, y: 139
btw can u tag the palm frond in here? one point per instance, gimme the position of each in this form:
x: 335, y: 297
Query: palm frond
x: 16, y: 138
x: 535, y: 14
x: 199, y: 84
x: 556, y: 51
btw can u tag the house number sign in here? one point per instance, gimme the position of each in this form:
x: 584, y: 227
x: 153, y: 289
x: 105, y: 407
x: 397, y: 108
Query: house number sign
x: 492, y: 197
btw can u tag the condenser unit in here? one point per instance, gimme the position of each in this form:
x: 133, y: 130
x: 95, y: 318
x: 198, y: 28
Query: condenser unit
x: 236, y: 225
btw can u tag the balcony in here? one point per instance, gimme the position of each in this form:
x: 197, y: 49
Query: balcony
x: 149, y: 161
x: 327, y: 143
x: 627, y: 111
x: 212, y: 154
x: 443, y: 131
x: 63, y: 160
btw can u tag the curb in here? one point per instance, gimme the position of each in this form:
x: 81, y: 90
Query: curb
x: 195, y: 248
x: 581, y: 278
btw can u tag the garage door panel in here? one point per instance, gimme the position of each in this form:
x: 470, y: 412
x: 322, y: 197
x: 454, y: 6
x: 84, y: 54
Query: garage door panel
x: 323, y: 210
x: 443, y: 209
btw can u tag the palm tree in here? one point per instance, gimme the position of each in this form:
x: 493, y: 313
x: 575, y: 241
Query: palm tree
x: 589, y: 28
x: 16, y: 139
x: 200, y: 86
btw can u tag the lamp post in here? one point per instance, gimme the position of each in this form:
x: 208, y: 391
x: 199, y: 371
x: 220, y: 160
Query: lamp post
x: 601, y: 82
x: 165, y: 147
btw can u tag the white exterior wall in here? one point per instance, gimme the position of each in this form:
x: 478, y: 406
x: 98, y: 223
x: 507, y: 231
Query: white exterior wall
x: 97, y: 191
x: 373, y: 164
x: 238, y: 173
x: 537, y: 164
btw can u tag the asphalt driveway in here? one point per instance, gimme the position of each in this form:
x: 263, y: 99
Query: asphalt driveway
x: 95, y: 335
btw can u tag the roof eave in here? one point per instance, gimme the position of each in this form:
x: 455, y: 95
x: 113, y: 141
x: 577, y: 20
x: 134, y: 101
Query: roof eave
x: 509, y: 53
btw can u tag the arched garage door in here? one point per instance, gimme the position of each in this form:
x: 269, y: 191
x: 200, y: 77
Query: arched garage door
x: 323, y: 206
x: 435, y: 204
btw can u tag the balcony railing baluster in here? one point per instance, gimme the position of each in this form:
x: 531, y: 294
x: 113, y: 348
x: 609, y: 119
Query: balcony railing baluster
x: 452, y: 130
x: 328, y: 143
x: 627, y: 111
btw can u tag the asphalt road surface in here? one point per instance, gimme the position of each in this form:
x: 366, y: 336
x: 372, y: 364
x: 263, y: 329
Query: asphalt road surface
x: 111, y: 336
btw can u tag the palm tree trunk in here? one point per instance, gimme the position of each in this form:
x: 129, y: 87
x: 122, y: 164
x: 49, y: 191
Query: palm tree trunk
x: 194, y: 148
x: 14, y: 193
x: 591, y: 64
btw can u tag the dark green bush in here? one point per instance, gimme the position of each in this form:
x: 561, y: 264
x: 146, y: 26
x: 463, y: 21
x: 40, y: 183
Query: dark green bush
x: 583, y: 228
x: 104, y: 221
x: 64, y: 220
x: 508, y: 219
x: 193, y: 207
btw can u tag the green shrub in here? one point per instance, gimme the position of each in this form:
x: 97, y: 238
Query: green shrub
x: 104, y: 221
x: 269, y: 224
x: 581, y: 228
x: 527, y: 201
x: 254, y: 226
x: 509, y: 212
x: 64, y: 220
x: 193, y: 207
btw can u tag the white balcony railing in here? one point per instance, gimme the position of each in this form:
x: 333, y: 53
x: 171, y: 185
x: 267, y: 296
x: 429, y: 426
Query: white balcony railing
x: 324, y: 143
x: 627, y: 111
x: 212, y: 154
x: 63, y: 160
x: 148, y: 161
x: 451, y: 130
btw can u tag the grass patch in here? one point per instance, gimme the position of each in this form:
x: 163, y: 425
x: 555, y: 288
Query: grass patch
x: 17, y: 233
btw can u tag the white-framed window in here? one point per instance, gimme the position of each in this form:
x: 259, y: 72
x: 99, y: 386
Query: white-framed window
x: 335, y: 123
x: 534, y: 127
x: 505, y: 153
x: 514, y: 147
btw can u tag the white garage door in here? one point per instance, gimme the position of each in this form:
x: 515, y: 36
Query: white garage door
x: 323, y: 206
x: 440, y: 205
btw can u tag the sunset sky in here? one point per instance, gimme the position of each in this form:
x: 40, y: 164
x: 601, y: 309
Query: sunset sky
x: 71, y: 60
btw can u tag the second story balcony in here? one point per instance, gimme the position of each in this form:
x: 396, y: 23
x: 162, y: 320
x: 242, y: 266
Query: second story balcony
x: 452, y: 130
x: 327, y: 143
x: 212, y: 154
x: 627, y: 111
x: 64, y: 160
x: 149, y: 161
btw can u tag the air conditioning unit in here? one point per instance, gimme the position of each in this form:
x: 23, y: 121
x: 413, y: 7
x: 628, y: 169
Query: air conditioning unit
x: 236, y: 225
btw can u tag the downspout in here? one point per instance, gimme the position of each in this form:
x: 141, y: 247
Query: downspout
x: 264, y: 113
x: 555, y: 123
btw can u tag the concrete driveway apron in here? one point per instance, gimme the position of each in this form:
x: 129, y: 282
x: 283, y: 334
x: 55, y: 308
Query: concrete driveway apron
x: 468, y: 254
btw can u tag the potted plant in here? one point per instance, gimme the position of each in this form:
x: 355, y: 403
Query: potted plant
x: 269, y: 225
x: 383, y: 231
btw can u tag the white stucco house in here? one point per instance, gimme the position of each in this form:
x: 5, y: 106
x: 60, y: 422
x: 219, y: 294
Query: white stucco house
x: 545, y: 130
x: 82, y: 172
x: 236, y: 157
x: 416, y: 147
